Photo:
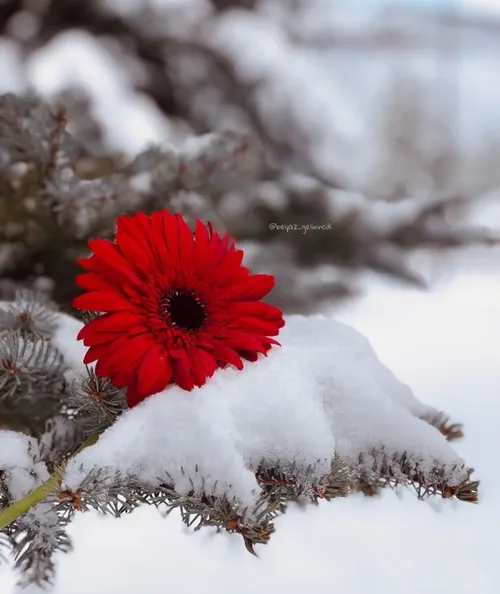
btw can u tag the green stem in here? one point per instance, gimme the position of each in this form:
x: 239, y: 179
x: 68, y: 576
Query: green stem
x: 11, y: 513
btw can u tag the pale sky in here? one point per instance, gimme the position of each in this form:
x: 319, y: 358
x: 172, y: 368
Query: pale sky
x: 487, y: 5
x: 479, y: 5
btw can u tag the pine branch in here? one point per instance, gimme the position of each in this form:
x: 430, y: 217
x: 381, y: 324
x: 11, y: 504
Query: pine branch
x: 29, y: 364
x: 94, y: 403
x: 114, y: 493
x: 62, y: 196
x: 11, y: 513
x: 32, y: 132
x: 377, y: 470
x: 37, y: 536
x: 29, y: 313
x: 441, y: 421
x: 288, y: 484
x: 5, y: 497
x: 32, y: 382
x: 5, y: 547
x: 61, y: 438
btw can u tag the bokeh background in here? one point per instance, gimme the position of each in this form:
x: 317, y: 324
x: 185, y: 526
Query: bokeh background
x: 377, y: 117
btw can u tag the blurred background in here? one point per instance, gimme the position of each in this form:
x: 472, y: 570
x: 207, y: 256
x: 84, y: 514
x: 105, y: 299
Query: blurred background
x: 380, y: 119
x: 375, y: 119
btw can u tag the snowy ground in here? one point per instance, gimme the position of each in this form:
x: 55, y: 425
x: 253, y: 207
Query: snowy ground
x: 444, y: 344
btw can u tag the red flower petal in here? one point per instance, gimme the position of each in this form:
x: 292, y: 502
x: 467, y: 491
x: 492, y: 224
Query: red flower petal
x: 164, y: 379
x: 155, y: 372
x: 144, y: 223
x: 133, y: 395
x: 176, y: 305
x: 198, y: 373
x: 221, y: 249
x: 226, y: 354
x: 127, y: 355
x: 124, y: 378
x: 134, y: 250
x: 129, y: 226
x: 207, y: 361
x: 229, y: 267
x: 159, y: 241
x: 249, y: 355
x: 93, y: 282
x: 256, y: 326
x: 111, y: 322
x: 95, y: 352
x: 101, y: 338
x: 106, y: 251
x: 255, y: 286
x: 257, y: 309
x: 89, y: 264
x: 201, y: 238
x: 171, y: 231
x: 181, y: 369
x: 201, y: 242
x: 105, y: 301
x: 186, y: 244
x: 240, y: 341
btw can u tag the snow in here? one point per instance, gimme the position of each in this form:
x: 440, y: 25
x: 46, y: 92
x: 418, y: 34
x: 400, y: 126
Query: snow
x: 11, y: 79
x: 32, y: 589
x: 324, y: 389
x: 17, y: 453
x: 333, y: 98
x: 23, y: 480
x: 51, y: 69
x: 291, y: 82
x: 183, y: 14
x: 224, y: 429
x: 67, y: 328
x: 14, y: 450
x: 444, y: 344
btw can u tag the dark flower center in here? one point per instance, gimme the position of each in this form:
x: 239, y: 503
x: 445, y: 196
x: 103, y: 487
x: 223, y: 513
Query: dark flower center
x: 183, y: 309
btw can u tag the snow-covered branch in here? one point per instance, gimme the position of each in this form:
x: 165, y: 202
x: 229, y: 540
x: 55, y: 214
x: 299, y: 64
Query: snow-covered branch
x: 316, y: 419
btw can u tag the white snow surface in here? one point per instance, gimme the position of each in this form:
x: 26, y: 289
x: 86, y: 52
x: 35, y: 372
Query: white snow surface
x: 64, y: 340
x: 445, y: 345
x: 323, y: 390
x: 14, y: 450
x: 17, y: 458
x: 291, y: 81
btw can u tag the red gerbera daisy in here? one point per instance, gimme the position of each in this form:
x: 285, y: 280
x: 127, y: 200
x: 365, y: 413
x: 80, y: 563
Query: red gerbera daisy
x: 176, y: 305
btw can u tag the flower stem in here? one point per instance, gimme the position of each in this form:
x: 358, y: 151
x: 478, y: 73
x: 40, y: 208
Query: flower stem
x: 11, y: 513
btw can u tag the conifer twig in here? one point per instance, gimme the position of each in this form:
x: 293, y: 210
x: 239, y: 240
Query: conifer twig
x: 11, y: 513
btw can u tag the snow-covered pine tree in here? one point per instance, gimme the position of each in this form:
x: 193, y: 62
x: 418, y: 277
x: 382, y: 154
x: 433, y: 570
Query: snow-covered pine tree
x: 318, y: 418
x: 58, y: 188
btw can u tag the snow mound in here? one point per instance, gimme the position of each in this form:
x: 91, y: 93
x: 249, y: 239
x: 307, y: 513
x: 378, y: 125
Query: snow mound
x: 18, y: 455
x: 323, y: 391
x: 64, y: 339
